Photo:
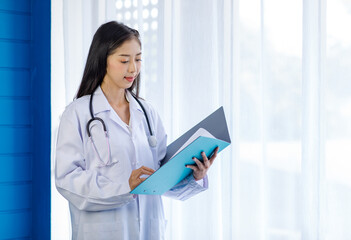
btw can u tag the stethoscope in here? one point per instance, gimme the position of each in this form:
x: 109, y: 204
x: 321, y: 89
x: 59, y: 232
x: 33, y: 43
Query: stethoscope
x: 151, y: 139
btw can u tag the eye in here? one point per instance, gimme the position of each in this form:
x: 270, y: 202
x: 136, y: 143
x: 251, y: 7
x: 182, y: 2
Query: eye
x: 124, y: 61
x: 138, y: 60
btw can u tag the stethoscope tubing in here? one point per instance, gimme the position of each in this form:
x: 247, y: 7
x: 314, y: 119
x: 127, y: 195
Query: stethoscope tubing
x: 152, y: 139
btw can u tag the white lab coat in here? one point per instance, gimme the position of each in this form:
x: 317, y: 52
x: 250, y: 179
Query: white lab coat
x: 100, y: 204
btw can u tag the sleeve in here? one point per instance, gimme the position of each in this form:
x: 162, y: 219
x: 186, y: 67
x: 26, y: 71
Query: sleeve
x: 85, y: 188
x: 186, y: 188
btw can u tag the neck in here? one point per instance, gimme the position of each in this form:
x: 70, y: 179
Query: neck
x: 115, y: 96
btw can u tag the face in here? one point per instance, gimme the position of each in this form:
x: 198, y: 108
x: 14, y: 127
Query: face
x: 123, y: 65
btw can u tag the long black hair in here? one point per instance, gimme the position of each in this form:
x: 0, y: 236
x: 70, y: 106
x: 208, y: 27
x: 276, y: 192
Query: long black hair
x: 107, y: 38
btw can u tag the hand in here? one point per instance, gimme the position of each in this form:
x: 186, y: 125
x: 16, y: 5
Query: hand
x: 135, y: 177
x: 201, y: 168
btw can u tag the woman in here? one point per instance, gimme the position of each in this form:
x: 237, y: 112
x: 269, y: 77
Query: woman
x: 97, y: 169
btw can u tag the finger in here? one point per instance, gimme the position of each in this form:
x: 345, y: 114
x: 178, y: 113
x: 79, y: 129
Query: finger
x: 206, y: 161
x: 143, y: 172
x: 214, y: 155
x: 194, y: 168
x: 148, y: 169
x: 199, y: 163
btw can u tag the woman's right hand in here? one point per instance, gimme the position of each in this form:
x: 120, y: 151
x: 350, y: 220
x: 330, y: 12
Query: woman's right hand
x: 135, y: 178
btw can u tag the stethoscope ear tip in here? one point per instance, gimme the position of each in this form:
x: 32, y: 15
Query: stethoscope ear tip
x: 152, y: 141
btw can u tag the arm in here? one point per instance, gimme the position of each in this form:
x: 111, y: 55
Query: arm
x: 85, y: 188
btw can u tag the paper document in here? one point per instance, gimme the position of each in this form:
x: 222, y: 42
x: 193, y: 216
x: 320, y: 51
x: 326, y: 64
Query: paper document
x: 199, y: 133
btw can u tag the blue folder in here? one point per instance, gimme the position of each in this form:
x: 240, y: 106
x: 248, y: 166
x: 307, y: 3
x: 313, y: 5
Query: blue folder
x: 173, y: 169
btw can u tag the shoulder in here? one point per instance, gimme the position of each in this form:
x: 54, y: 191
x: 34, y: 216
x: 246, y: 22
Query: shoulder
x: 77, y: 107
x: 149, y: 109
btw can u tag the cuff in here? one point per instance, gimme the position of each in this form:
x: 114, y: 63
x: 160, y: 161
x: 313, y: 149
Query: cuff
x: 203, y: 182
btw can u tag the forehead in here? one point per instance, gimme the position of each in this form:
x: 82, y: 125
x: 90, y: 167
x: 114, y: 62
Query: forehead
x: 130, y: 47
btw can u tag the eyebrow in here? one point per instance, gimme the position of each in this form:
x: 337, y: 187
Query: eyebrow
x: 126, y: 55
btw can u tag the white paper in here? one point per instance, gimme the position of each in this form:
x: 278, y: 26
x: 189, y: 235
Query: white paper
x: 201, y: 132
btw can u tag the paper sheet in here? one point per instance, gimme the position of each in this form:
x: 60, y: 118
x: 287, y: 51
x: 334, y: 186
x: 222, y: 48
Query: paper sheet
x: 201, y: 132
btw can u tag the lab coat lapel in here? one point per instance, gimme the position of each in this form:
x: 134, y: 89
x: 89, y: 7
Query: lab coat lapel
x: 101, y: 104
x: 136, y: 113
x: 114, y: 117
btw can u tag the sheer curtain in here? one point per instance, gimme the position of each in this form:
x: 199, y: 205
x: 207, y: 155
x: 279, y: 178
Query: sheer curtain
x: 280, y: 68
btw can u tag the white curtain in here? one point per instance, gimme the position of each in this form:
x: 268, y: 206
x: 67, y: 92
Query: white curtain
x: 280, y: 68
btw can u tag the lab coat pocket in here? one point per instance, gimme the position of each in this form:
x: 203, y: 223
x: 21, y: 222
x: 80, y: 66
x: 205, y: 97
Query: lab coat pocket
x: 157, y: 228
x: 103, y: 231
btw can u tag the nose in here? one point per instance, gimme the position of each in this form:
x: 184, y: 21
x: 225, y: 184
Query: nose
x: 132, y: 67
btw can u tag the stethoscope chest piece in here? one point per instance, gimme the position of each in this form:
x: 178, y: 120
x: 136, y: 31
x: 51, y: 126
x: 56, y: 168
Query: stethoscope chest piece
x: 152, y: 141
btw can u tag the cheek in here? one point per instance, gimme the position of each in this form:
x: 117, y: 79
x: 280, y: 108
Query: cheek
x: 116, y: 68
x: 121, y: 68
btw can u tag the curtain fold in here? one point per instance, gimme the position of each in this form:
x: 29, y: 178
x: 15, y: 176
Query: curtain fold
x: 313, y: 174
x: 281, y: 70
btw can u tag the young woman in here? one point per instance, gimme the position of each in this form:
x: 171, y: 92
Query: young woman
x: 109, y: 140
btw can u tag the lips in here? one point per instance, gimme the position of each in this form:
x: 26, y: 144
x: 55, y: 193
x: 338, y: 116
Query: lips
x: 129, y: 79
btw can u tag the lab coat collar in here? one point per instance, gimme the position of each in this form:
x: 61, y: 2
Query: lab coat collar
x: 100, y: 103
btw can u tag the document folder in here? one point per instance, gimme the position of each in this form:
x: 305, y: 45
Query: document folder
x: 173, y: 169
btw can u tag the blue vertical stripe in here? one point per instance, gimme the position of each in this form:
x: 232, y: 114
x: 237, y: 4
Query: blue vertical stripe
x: 40, y: 65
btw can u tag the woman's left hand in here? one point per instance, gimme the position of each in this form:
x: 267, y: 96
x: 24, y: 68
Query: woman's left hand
x: 201, y: 168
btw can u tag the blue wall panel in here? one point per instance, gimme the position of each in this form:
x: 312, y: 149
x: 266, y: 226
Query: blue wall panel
x: 15, y: 225
x: 15, y: 196
x: 15, y: 168
x: 15, y: 140
x: 14, y: 82
x: 16, y: 5
x: 19, y: 29
x: 15, y: 111
x: 15, y: 55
